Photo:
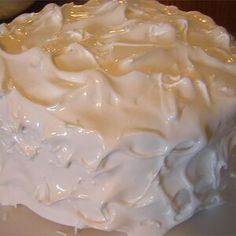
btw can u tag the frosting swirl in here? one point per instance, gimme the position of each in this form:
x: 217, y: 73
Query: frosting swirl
x: 115, y: 113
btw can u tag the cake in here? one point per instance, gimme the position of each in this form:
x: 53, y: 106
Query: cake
x: 116, y: 115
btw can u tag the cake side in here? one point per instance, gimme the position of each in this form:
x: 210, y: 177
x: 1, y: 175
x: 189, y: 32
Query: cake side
x: 116, y: 115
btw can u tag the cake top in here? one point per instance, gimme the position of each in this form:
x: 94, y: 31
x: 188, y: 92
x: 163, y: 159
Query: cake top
x: 115, y: 67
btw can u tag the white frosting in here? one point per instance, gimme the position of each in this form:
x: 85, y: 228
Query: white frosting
x: 116, y: 115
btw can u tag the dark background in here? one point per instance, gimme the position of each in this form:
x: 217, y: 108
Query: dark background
x: 222, y: 11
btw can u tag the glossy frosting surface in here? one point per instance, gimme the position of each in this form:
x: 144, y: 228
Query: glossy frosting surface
x: 116, y: 115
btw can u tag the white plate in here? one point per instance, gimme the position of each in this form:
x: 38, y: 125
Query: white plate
x: 22, y: 222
